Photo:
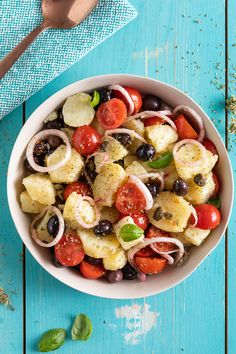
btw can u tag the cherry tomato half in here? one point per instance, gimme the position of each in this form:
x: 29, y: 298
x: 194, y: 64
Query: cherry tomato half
x: 134, y: 95
x: 150, y: 265
x: 140, y: 219
x: 152, y: 121
x: 217, y: 184
x: 130, y: 199
x: 208, y: 216
x: 69, y: 250
x: 210, y: 146
x: 91, y: 271
x: 145, y: 252
x: 184, y: 129
x: 112, y: 114
x: 78, y: 187
x: 152, y: 232
x: 86, y: 140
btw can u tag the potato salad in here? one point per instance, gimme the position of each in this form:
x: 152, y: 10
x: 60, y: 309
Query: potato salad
x: 120, y: 185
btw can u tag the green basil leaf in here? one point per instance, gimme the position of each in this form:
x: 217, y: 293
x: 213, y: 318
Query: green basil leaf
x: 82, y: 328
x: 96, y: 99
x: 163, y: 161
x: 130, y: 232
x: 215, y: 201
x: 52, y: 340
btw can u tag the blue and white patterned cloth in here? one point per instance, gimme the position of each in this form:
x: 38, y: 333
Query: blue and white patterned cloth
x: 55, y: 50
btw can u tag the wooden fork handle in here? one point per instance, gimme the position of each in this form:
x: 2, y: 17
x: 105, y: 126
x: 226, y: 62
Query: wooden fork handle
x: 7, y: 62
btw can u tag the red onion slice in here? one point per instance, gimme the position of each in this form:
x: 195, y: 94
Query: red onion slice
x: 194, y: 117
x: 40, y: 136
x: 148, y: 114
x: 165, y: 255
x: 150, y: 241
x: 131, y: 132
x: 126, y: 95
x: 60, y: 233
x: 181, y: 143
x: 78, y: 212
x: 144, y: 190
x: 194, y: 213
x: 145, y: 177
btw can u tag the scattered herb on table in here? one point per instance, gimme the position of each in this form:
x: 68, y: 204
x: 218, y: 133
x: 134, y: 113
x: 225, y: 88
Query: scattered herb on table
x: 52, y: 340
x: 231, y: 105
x: 5, y: 300
x: 82, y: 328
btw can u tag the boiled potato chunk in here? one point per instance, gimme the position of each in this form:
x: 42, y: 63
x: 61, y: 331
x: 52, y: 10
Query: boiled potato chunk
x: 111, y: 177
x: 190, y: 153
x: 29, y: 205
x: 115, y: 261
x: 109, y: 213
x: 136, y: 169
x: 181, y: 237
x: 196, y: 236
x: 87, y: 211
x: 160, y: 136
x: 68, y: 173
x: 200, y: 195
x: 178, y: 208
x: 98, y: 247
x: 126, y: 245
x: 77, y: 110
x: 136, y: 125
x: 42, y: 231
x: 40, y: 188
x: 113, y: 148
x: 129, y: 159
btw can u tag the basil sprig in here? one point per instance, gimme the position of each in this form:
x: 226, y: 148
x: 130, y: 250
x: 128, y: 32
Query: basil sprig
x: 215, y: 201
x: 52, y: 340
x: 82, y: 328
x: 96, y: 99
x: 130, y: 232
x: 163, y: 161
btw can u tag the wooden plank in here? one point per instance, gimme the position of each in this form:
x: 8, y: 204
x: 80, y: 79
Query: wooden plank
x: 231, y: 266
x: 170, y: 41
x: 11, y: 323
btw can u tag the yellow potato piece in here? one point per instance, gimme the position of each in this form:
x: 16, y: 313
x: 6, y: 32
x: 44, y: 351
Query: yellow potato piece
x: 200, y: 195
x: 161, y: 136
x: 40, y: 188
x: 29, y: 205
x: 115, y: 261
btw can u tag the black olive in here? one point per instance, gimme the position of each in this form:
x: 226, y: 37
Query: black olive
x: 105, y: 94
x: 53, y: 226
x: 104, y: 228
x: 54, y: 141
x: 180, y: 187
x: 123, y: 138
x: 90, y: 169
x: 151, y: 103
x: 129, y: 273
x: 53, y: 124
x: 158, y: 214
x: 167, y: 215
x: 145, y: 152
x: 120, y: 162
x: 153, y: 187
x: 60, y: 117
x: 39, y: 160
x: 41, y: 148
x: 93, y: 261
x: 114, y: 276
x: 200, y: 180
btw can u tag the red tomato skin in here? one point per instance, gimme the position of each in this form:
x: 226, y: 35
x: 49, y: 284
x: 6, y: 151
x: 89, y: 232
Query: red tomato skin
x: 149, y: 265
x: 217, y: 184
x: 145, y: 252
x: 210, y: 146
x: 78, y: 187
x: 208, y: 216
x: 91, y: 271
x: 129, y: 199
x: 136, y: 98
x: 153, y: 231
x: 86, y: 140
x: 152, y: 121
x: 69, y: 250
x: 140, y: 219
x: 184, y: 129
x: 112, y: 114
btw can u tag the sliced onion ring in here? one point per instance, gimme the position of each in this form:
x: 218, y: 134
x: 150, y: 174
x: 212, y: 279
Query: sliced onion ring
x: 126, y: 95
x: 40, y: 136
x: 60, y: 233
x: 194, y: 117
x: 146, y: 176
x: 144, y: 190
x: 148, y: 114
x: 181, y: 143
x: 131, y: 132
x: 194, y: 213
x: 78, y: 212
x: 165, y: 255
x: 150, y: 241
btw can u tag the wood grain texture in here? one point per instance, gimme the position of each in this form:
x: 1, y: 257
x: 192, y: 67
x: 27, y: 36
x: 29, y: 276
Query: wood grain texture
x: 181, y: 42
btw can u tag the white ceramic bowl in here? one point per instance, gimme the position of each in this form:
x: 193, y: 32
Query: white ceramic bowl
x: 125, y: 289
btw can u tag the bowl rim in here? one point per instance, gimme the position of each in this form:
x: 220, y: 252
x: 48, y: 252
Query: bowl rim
x: 60, y: 93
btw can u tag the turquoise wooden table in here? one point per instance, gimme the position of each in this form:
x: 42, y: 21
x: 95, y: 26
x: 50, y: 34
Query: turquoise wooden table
x: 187, y: 43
